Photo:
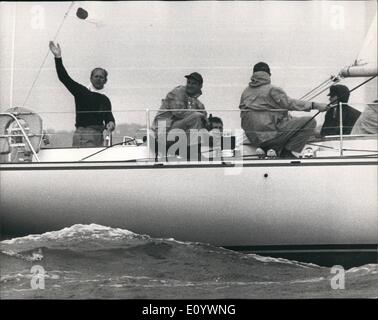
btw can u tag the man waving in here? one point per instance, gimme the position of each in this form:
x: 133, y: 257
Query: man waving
x: 93, y: 108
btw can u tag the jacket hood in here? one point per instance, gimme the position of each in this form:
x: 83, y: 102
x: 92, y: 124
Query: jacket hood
x: 259, y: 78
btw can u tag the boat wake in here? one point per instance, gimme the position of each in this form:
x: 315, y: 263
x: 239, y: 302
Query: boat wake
x: 94, y: 261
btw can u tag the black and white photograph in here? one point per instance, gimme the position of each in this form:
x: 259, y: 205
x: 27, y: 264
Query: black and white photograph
x: 163, y: 151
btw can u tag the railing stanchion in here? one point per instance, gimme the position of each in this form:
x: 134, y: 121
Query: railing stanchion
x: 148, y: 132
x: 341, y: 128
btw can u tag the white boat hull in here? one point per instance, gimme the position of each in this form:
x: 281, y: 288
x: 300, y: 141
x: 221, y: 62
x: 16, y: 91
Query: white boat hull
x: 262, y: 203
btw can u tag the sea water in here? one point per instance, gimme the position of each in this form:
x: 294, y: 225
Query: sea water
x: 99, y: 262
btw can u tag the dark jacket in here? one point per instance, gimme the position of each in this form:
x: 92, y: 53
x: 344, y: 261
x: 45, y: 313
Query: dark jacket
x: 92, y: 108
x: 331, y: 124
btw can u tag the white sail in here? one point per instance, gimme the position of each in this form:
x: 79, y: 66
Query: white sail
x: 366, y: 63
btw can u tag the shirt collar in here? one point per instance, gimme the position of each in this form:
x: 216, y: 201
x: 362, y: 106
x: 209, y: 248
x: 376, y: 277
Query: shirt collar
x: 93, y: 89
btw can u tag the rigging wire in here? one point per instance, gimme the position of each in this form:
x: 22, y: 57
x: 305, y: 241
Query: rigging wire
x: 48, y: 50
x: 323, y: 90
x: 325, y: 82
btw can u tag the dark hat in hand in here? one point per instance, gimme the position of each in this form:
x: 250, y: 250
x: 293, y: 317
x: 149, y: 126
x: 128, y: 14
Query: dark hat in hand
x: 81, y: 13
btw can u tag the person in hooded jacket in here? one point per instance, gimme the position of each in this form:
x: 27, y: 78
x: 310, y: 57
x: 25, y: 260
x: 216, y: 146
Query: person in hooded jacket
x: 331, y: 126
x: 265, y: 116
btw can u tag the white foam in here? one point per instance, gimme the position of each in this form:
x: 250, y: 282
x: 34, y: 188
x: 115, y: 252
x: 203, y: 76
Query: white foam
x: 368, y: 268
x: 10, y: 277
x: 83, y: 231
x: 284, y: 261
x: 135, y: 277
x: 312, y: 280
x: 26, y: 275
x: 35, y: 256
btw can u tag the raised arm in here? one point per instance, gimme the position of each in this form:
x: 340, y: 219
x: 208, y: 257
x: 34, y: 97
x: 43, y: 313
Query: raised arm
x: 63, y: 76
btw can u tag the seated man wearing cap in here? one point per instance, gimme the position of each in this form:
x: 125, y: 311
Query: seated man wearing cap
x: 176, y: 110
x: 339, y: 93
x: 265, y: 118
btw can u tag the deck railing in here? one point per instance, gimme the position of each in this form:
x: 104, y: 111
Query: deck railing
x: 230, y: 117
x: 24, y: 134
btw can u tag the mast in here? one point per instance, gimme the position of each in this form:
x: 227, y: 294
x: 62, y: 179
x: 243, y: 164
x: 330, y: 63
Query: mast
x: 12, y: 54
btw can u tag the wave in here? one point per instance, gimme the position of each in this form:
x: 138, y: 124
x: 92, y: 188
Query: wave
x: 103, y: 244
x: 94, y: 257
x: 284, y: 261
x: 114, y: 247
x: 78, y: 237
x: 81, y: 237
x: 363, y: 270
x: 86, y: 237
x: 77, y: 232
